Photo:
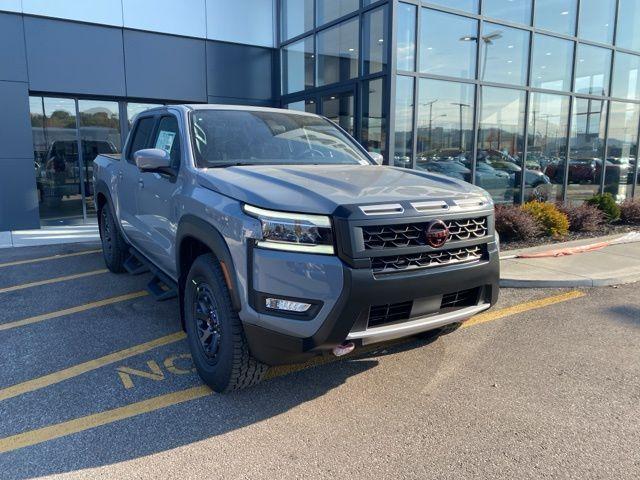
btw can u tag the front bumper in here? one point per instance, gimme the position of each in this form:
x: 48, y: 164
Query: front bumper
x: 349, y: 315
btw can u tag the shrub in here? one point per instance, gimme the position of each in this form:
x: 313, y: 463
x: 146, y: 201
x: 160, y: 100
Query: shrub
x: 551, y: 220
x: 630, y: 211
x: 583, y: 218
x: 607, y: 204
x: 513, y: 223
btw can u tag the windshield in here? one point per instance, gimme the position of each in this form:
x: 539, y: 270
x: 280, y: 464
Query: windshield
x: 239, y: 137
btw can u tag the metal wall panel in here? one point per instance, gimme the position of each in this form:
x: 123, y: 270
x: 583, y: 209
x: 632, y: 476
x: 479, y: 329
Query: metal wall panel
x: 165, y: 67
x: 241, y: 101
x: 11, y: 5
x: 242, y: 21
x: 13, y: 61
x: 105, y: 12
x: 15, y: 125
x: 186, y: 17
x: 18, y: 195
x: 73, y: 57
x: 239, y: 71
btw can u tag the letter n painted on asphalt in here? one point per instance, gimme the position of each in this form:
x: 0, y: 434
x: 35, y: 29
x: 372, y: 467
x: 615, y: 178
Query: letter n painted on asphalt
x: 154, y: 374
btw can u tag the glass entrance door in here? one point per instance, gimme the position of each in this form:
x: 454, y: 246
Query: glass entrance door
x: 340, y: 108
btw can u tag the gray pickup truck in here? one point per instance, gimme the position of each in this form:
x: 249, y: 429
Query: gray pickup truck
x: 284, y: 239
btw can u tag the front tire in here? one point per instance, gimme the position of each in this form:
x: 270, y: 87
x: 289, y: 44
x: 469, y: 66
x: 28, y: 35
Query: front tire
x: 214, y: 331
x: 114, y: 248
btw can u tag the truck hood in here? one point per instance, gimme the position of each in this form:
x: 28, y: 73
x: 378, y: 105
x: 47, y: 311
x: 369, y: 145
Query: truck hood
x: 323, y: 188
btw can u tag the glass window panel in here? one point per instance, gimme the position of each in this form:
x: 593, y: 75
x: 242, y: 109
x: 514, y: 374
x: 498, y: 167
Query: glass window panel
x: 626, y: 83
x: 339, y: 109
x: 141, y: 134
x: 448, y: 44
x: 329, y: 10
x: 445, y: 128
x: 505, y: 51
x: 586, y: 148
x: 593, y: 69
x: 308, y: 106
x: 546, y: 147
x: 517, y: 11
x: 167, y: 138
x: 135, y: 108
x: 552, y: 63
x: 375, y: 40
x: 465, y: 5
x: 297, y: 66
x: 628, y: 34
x: 597, y: 19
x: 557, y: 15
x: 296, y: 17
x: 500, y: 142
x: 403, y: 134
x: 58, y: 172
x: 622, y: 149
x: 406, y: 43
x: 374, y: 123
x: 99, y: 133
x: 338, y: 53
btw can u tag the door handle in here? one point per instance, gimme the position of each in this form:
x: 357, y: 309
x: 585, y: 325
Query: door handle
x: 140, y: 183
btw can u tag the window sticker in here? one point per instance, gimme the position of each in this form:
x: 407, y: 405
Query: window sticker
x: 165, y: 140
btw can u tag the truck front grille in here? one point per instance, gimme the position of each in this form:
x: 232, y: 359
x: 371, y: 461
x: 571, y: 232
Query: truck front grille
x: 413, y: 234
x: 395, y: 312
x: 463, y: 298
x: 391, y: 264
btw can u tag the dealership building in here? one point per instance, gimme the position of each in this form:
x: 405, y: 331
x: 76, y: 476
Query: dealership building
x: 529, y: 99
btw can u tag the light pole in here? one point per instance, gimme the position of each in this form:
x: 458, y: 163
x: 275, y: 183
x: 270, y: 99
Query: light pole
x: 461, y: 106
x: 488, y: 40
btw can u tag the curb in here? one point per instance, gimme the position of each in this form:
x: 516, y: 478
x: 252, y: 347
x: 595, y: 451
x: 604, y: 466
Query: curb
x: 575, y: 283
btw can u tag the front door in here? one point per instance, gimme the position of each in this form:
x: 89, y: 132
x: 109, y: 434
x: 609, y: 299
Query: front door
x: 340, y: 108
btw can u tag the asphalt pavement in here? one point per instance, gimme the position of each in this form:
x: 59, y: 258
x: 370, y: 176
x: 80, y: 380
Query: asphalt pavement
x: 96, y: 382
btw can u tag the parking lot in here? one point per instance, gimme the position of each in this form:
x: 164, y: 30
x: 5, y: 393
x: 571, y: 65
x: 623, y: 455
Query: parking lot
x: 96, y: 381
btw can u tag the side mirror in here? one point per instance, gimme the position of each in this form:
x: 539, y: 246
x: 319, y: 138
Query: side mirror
x: 153, y: 160
x: 377, y: 157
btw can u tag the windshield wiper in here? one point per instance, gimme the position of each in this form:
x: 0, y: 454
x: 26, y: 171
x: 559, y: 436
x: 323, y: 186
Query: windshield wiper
x: 230, y: 164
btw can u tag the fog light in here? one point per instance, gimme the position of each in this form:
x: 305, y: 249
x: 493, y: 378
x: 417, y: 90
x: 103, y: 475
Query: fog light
x: 286, y: 305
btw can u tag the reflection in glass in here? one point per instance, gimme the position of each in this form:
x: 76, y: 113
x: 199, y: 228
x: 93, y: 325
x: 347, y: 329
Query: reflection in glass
x: 374, y: 34
x: 557, y: 15
x: 546, y: 147
x: 338, y: 53
x: 448, y: 44
x: 622, y: 149
x: 374, y: 125
x: 445, y: 128
x: 597, y: 19
x: 500, y: 142
x: 99, y: 133
x: 586, y: 148
x: 592, y: 70
x: 505, y: 52
x: 339, y: 109
x: 470, y: 6
x: 406, y: 42
x: 626, y: 79
x: 297, y: 66
x: 552, y: 63
x: 403, y: 134
x: 55, y: 140
x: 296, y: 17
x: 134, y: 109
x: 627, y: 34
x: 517, y: 11
x: 308, y: 106
x: 329, y: 10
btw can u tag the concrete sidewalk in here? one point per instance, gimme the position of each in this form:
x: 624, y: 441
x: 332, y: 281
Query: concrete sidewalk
x: 612, y: 265
x: 50, y: 236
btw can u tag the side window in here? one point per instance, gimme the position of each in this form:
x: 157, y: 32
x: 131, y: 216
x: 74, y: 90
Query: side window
x: 140, y: 138
x: 168, y: 139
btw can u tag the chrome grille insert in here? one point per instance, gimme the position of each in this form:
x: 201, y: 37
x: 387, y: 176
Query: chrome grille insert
x: 397, y: 263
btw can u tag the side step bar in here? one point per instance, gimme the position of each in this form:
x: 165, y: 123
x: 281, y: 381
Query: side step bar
x: 161, y: 287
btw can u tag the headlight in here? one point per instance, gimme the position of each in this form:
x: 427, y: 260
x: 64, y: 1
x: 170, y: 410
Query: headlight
x: 294, y: 232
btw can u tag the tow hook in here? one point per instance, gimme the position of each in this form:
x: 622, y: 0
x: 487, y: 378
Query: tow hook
x: 344, y: 349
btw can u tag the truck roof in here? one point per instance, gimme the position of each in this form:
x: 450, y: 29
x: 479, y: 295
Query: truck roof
x: 245, y: 108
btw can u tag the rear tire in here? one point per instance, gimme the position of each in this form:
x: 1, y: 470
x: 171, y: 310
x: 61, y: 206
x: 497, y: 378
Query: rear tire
x: 214, y: 331
x: 114, y: 248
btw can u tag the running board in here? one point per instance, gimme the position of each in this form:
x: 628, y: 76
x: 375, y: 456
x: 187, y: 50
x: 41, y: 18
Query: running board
x: 161, y: 287
x: 134, y: 265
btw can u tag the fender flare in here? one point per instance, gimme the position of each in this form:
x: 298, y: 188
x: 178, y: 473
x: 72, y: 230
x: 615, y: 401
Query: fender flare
x: 192, y: 226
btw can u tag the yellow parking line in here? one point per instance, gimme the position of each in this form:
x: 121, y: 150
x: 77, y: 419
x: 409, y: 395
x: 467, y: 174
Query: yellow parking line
x: 67, y: 373
x: 52, y: 280
x: 44, y: 259
x: 103, y: 418
x: 521, y: 308
x: 68, y: 311
x: 81, y: 424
